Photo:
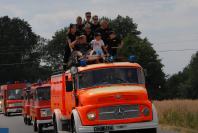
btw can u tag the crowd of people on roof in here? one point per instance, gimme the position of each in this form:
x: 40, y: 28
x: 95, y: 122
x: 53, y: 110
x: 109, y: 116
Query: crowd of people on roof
x: 91, y: 36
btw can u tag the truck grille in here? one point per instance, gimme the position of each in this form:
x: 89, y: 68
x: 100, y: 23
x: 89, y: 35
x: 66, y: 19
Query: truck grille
x: 119, y: 112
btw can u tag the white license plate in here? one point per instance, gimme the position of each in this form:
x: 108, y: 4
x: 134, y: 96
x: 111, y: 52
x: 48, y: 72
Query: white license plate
x: 103, y: 128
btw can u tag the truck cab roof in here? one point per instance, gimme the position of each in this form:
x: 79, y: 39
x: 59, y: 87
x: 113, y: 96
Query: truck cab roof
x: 107, y: 65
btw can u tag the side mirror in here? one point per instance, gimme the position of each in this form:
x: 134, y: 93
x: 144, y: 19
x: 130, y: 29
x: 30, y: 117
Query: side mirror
x: 69, y: 86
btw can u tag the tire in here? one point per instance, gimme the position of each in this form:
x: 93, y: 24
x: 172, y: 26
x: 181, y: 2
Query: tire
x: 25, y: 120
x: 152, y: 130
x: 40, y: 128
x: 73, y: 129
x: 29, y: 121
x: 55, y: 125
x: 35, y: 126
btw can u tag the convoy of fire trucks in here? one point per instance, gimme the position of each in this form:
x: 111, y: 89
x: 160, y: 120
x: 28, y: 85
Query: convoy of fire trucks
x: 102, y: 97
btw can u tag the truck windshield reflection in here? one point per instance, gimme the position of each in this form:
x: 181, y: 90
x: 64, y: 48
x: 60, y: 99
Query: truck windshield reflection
x: 43, y: 93
x: 106, y: 76
x: 14, y: 94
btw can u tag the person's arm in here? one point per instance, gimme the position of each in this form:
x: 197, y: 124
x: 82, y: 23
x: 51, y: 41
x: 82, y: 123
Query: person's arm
x: 105, y: 49
x: 121, y: 44
x: 72, y: 44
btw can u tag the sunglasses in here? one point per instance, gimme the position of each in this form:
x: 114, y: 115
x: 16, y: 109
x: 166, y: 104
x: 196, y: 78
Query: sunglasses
x: 89, y: 16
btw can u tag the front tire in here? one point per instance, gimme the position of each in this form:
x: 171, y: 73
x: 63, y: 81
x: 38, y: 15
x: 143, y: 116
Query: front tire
x: 25, y: 120
x: 73, y: 126
x: 40, y: 128
x: 35, y: 126
x: 152, y: 130
x: 55, y: 125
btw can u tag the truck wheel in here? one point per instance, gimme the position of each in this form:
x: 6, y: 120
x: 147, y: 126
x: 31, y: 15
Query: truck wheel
x: 25, y: 120
x: 40, y: 128
x: 35, y: 126
x: 55, y: 125
x: 73, y: 126
x: 28, y: 121
x: 152, y: 130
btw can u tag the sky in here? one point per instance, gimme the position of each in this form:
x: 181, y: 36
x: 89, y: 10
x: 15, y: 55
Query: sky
x: 168, y: 24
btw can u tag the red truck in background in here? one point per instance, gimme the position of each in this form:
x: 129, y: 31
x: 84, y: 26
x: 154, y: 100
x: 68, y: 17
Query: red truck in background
x: 40, y: 106
x: 12, y: 98
x: 26, y: 105
x: 1, y: 101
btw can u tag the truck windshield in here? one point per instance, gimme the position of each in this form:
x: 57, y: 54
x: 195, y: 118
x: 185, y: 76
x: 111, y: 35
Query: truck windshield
x: 15, y: 94
x: 106, y: 76
x: 43, y: 93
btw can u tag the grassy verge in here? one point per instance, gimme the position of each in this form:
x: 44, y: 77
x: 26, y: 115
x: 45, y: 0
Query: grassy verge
x: 179, y: 113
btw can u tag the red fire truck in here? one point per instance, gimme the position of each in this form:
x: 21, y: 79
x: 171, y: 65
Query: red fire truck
x: 1, y: 98
x: 12, y: 98
x: 26, y: 105
x: 40, y: 111
x: 104, y: 97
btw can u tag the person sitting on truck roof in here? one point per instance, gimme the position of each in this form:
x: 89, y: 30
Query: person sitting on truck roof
x: 95, y: 23
x: 79, y: 25
x: 104, y: 30
x: 98, y: 45
x: 71, y: 40
x: 88, y: 18
x: 88, y: 33
x: 114, y: 43
x: 82, y: 45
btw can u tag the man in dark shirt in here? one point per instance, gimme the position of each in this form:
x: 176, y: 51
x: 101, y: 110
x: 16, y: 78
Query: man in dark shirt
x: 114, y: 43
x: 95, y: 24
x: 79, y: 25
x: 104, y: 30
x: 82, y: 45
x: 88, y: 18
x: 88, y: 33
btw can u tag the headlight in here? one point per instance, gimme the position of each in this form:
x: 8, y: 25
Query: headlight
x: 146, y: 111
x: 0, y: 102
x: 45, y: 112
x: 91, y: 116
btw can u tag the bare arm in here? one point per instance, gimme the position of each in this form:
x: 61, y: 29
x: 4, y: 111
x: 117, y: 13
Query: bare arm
x: 71, y: 44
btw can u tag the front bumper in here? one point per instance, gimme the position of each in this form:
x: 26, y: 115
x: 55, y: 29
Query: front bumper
x: 44, y: 121
x: 14, y: 110
x: 120, y: 127
x: 115, y: 127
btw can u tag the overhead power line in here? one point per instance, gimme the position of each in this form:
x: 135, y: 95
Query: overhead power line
x: 177, y: 50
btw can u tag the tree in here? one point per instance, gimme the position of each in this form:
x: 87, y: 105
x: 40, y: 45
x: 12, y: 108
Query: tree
x: 55, y: 49
x: 185, y: 83
x: 19, y: 55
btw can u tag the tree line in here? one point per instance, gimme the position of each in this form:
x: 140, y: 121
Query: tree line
x: 25, y: 55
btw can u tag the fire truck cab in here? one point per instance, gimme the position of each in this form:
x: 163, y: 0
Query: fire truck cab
x: 12, y: 98
x: 26, y: 105
x: 103, y: 97
x: 40, y: 111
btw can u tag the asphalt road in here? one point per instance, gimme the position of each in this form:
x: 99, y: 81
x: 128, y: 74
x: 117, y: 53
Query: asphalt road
x: 16, y: 125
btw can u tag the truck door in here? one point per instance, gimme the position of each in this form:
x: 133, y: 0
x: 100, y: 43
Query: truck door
x: 69, y: 96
